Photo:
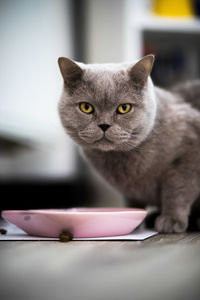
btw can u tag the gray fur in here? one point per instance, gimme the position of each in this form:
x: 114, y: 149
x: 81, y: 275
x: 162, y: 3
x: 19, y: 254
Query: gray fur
x: 152, y: 155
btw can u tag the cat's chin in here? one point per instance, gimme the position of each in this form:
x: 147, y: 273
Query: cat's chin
x: 104, y: 145
x: 115, y: 147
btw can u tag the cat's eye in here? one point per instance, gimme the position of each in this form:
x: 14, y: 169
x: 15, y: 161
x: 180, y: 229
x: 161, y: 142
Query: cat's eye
x: 86, y: 107
x: 124, y: 108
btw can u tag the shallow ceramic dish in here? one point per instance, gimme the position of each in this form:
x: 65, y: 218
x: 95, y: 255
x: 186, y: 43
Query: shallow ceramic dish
x: 81, y: 222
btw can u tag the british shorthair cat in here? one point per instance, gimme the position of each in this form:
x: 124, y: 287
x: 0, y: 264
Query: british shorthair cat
x: 143, y: 140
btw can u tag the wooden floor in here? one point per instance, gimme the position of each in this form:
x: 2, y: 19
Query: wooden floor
x: 162, y: 267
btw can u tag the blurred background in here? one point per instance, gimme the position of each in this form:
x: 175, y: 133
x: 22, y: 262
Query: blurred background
x: 40, y: 167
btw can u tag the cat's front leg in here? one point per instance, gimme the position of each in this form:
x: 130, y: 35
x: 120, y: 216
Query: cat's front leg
x: 171, y: 224
x: 180, y: 188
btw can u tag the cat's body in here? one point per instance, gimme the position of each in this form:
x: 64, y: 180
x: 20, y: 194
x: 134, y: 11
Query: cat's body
x: 152, y: 155
x: 138, y: 173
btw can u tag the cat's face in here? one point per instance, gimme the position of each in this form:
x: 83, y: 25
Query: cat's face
x: 107, y: 107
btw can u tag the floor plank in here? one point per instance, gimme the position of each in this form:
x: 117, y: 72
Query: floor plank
x: 166, y: 266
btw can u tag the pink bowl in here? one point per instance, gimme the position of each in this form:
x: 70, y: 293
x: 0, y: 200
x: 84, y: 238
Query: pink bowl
x: 81, y: 222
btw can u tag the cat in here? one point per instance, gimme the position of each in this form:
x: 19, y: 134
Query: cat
x: 143, y: 140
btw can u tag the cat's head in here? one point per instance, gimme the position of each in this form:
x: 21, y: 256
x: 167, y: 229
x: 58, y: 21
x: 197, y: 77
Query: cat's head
x: 107, y: 106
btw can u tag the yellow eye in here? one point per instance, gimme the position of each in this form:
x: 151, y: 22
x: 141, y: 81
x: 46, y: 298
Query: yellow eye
x: 86, y: 108
x: 124, y: 108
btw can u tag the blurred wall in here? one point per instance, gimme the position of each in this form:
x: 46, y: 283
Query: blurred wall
x: 34, y: 34
x: 105, y: 30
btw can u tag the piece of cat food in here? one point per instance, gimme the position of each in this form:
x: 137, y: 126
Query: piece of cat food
x: 3, y: 231
x: 65, y: 236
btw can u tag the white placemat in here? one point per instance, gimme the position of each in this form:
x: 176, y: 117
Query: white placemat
x: 16, y: 234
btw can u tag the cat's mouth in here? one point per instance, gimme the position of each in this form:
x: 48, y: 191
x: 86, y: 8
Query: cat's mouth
x: 103, y: 139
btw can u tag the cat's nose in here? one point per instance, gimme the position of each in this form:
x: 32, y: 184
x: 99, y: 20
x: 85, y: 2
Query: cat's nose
x: 104, y: 127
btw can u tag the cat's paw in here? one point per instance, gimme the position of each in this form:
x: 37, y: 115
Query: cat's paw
x: 169, y: 224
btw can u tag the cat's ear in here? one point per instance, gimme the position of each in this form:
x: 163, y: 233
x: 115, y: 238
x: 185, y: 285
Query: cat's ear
x: 141, y: 70
x: 70, y: 71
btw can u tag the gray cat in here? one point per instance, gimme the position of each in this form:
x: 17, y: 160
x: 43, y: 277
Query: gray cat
x: 145, y: 141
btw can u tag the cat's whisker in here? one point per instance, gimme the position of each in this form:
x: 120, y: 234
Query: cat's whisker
x: 131, y: 145
x: 133, y: 148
